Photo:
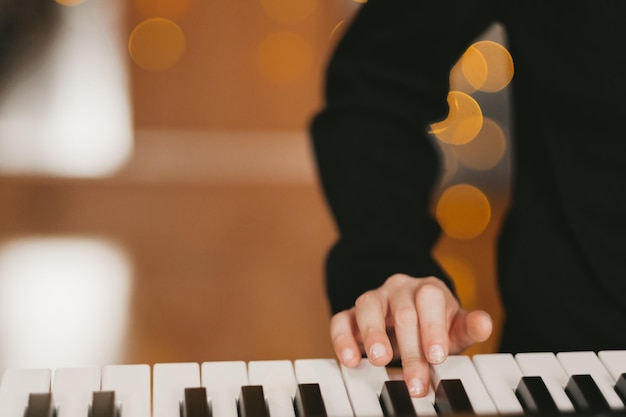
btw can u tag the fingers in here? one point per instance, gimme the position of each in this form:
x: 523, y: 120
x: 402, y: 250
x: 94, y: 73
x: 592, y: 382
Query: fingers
x: 414, y: 364
x: 343, y: 338
x: 468, y: 328
x: 425, y: 319
x: 433, y: 305
x: 370, y: 313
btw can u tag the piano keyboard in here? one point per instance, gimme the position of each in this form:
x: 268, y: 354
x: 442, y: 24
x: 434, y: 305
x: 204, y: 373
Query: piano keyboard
x: 489, y: 384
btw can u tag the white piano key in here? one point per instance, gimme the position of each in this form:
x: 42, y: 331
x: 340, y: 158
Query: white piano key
x: 169, y: 382
x: 461, y: 367
x: 72, y: 390
x: 546, y: 365
x: 588, y: 363
x: 501, y: 376
x: 131, y: 384
x: 364, y: 384
x: 424, y: 406
x: 325, y: 373
x: 17, y: 384
x: 614, y: 361
x: 223, y: 382
x: 279, y: 385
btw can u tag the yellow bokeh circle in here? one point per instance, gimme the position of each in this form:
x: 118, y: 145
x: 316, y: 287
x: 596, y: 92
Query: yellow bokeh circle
x: 498, y: 71
x: 464, y: 121
x: 463, y: 211
x: 284, y: 58
x: 69, y: 3
x: 486, y: 150
x: 156, y: 44
x: 470, y: 72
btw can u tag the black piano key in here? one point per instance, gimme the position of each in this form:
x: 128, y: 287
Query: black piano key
x: 534, y: 396
x: 309, y: 401
x: 40, y: 405
x: 252, y: 402
x: 196, y: 403
x: 585, y: 394
x: 451, y: 398
x: 103, y: 404
x: 396, y: 400
x: 620, y: 387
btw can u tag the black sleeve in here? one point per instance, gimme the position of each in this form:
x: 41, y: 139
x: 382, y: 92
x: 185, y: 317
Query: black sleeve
x: 386, y: 81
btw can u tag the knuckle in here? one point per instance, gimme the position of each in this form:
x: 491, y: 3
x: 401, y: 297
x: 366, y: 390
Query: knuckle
x: 405, y: 316
x: 397, y: 280
x: 367, y: 298
x: 429, y: 290
x: 338, y: 319
x: 412, y: 361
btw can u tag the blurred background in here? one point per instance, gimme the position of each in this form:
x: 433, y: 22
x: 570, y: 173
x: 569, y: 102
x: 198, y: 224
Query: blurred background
x: 158, y: 199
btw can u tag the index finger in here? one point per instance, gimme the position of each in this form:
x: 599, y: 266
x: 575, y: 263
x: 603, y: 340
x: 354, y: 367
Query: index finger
x: 344, y: 339
x: 432, y: 309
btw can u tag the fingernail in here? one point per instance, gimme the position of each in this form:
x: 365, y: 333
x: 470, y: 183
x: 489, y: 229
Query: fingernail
x: 377, y: 350
x: 416, y: 387
x: 436, y: 354
x: 347, y: 355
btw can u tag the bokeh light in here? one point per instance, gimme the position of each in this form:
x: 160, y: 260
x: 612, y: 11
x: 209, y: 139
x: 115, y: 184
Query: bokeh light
x: 464, y: 120
x: 463, y: 211
x: 487, y: 148
x: 470, y: 71
x: 156, y: 44
x: 463, y: 276
x: 499, y: 67
x: 284, y: 58
x: 289, y: 11
x: 69, y: 3
x: 171, y: 9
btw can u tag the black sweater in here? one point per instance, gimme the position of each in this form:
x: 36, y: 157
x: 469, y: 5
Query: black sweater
x: 562, y: 250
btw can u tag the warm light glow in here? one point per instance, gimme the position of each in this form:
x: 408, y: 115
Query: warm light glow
x: 338, y: 30
x: 463, y: 277
x: 171, y: 9
x: 284, y: 58
x: 463, y: 211
x: 68, y: 112
x: 486, y: 150
x: 289, y: 11
x: 156, y: 44
x: 464, y: 120
x: 63, y: 302
x: 69, y: 2
x: 499, y: 68
x: 470, y: 72
x: 449, y: 162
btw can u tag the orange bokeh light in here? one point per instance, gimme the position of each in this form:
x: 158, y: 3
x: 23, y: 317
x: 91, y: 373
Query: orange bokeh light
x: 156, y: 44
x: 487, y: 148
x: 463, y: 276
x: 69, y: 3
x: 463, y: 211
x: 499, y: 67
x: 464, y: 120
x: 470, y: 72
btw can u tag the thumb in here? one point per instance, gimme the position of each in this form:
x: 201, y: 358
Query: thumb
x: 469, y: 327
